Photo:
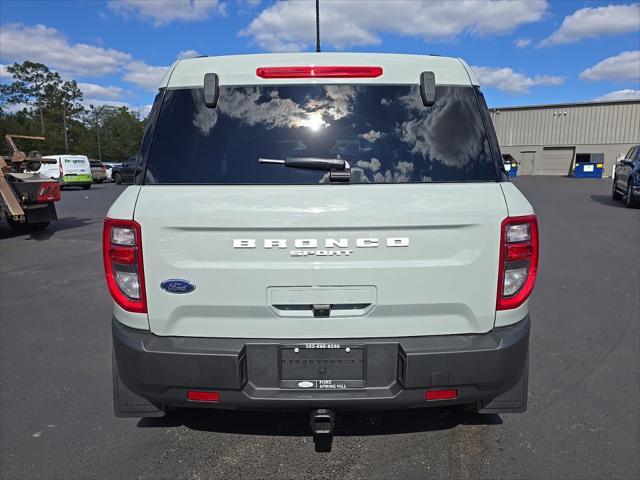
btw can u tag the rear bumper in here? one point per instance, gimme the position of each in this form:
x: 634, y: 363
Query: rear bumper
x: 398, y: 371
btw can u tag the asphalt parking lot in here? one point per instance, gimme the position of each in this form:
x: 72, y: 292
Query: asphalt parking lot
x: 56, y: 418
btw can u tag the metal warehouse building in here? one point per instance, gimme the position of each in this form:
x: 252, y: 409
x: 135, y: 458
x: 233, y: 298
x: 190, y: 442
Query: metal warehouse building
x: 550, y: 139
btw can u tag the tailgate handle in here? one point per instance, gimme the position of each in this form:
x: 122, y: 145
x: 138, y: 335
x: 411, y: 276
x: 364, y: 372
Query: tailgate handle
x: 321, y: 311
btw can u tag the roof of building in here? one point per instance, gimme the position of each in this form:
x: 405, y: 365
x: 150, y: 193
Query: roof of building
x: 241, y: 69
x: 562, y: 105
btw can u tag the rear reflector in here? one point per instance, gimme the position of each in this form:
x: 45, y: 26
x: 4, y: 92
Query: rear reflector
x: 197, y: 396
x: 48, y: 192
x: 444, y: 394
x: 319, y: 72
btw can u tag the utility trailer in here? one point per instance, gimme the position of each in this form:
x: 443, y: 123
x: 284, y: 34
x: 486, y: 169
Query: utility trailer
x: 27, y: 199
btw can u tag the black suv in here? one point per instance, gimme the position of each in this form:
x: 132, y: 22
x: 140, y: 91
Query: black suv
x: 125, y: 172
x: 626, y: 179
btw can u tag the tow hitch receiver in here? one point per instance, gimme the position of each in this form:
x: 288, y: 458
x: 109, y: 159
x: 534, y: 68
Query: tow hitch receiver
x: 322, y: 422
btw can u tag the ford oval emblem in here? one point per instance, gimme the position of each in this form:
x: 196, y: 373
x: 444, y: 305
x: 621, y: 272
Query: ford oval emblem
x: 176, y: 285
x: 305, y: 384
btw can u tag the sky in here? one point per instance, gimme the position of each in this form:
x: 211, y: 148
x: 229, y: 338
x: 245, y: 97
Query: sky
x: 523, y: 51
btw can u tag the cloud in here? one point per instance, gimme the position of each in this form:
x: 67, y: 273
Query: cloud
x: 188, y: 54
x: 143, y: 75
x: 522, y: 42
x: 596, y: 22
x: 626, y: 94
x: 290, y: 26
x: 507, y: 80
x: 4, y: 73
x: 162, y: 12
x: 372, y: 136
x: 98, y: 91
x: 622, y: 67
x: 47, y: 45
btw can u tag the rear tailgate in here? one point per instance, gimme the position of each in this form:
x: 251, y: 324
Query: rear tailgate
x: 443, y: 282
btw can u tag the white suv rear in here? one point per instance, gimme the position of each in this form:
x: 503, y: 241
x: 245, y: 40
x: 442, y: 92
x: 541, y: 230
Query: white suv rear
x: 320, y: 231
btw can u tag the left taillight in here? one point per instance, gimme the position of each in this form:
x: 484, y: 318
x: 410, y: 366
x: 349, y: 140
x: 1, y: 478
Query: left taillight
x: 519, y: 247
x: 48, y: 192
x: 123, y: 266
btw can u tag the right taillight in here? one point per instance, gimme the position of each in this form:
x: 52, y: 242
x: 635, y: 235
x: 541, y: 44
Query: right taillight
x: 122, y: 254
x: 518, y: 260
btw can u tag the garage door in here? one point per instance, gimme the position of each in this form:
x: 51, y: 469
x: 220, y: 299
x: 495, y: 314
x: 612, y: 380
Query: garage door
x: 556, y: 161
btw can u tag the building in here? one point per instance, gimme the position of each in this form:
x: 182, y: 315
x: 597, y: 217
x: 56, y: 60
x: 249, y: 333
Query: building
x: 550, y: 139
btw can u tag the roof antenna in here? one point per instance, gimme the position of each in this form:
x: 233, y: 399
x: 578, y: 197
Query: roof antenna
x: 318, y: 26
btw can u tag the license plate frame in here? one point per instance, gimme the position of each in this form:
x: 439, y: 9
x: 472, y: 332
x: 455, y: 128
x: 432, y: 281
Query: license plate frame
x: 318, y: 366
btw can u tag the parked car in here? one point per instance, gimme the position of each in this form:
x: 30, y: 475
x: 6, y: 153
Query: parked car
x: 109, y: 168
x: 626, y: 178
x: 320, y: 237
x: 69, y: 170
x: 98, y: 171
x: 124, y: 172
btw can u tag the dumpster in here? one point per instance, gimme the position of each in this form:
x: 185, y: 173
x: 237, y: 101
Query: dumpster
x: 588, y: 170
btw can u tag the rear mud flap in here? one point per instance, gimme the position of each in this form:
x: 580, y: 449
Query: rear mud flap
x: 512, y: 401
x: 127, y: 404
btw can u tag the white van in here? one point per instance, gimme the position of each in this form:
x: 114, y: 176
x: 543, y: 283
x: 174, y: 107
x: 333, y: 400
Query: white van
x: 69, y: 170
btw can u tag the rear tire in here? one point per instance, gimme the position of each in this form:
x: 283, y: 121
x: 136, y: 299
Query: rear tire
x: 614, y: 191
x: 86, y: 187
x: 117, y: 178
x: 19, y: 227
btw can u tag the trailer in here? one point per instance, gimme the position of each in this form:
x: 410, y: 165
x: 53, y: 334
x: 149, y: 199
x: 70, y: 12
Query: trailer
x: 27, y: 199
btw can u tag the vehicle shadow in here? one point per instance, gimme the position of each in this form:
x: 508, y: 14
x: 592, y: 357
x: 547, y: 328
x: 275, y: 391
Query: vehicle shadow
x: 607, y: 201
x: 280, y: 423
x: 56, y: 226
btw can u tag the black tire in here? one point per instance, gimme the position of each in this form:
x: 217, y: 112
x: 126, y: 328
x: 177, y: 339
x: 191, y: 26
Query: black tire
x: 19, y: 227
x: 99, y: 181
x: 86, y: 187
x: 117, y: 178
x: 631, y: 201
x: 614, y: 191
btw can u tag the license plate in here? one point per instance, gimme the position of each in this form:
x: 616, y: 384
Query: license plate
x: 322, y: 366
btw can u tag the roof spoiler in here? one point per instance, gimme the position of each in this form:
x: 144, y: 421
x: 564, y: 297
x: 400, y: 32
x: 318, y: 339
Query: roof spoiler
x: 428, y: 88
x: 211, y: 90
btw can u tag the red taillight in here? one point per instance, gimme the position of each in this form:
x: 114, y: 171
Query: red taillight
x: 198, y: 396
x: 518, y: 267
x: 319, y: 72
x: 122, y: 255
x: 442, y: 394
x: 48, y: 192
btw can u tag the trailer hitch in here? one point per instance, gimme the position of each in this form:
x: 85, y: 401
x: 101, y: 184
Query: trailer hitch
x: 322, y: 421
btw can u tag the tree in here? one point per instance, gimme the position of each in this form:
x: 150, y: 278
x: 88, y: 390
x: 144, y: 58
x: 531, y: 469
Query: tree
x: 31, y: 81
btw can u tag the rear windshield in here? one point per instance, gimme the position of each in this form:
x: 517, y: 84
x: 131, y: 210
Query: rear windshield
x: 384, y: 132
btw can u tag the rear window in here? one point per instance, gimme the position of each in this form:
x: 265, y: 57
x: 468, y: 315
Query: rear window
x: 384, y: 132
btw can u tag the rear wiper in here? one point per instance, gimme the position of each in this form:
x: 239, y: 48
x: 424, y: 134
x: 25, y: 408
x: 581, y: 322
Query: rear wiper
x: 339, y: 169
x: 309, y: 163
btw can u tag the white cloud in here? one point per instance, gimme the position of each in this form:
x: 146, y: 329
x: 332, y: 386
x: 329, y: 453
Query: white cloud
x: 166, y: 11
x: 622, y: 67
x: 507, y: 80
x: 47, y: 45
x: 372, y: 136
x: 522, y: 42
x: 290, y: 26
x: 98, y: 91
x: 188, y: 54
x: 143, y: 75
x: 626, y: 94
x: 596, y: 22
x: 4, y: 73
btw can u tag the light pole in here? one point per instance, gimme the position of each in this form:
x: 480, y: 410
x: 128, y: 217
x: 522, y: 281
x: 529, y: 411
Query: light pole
x: 97, y: 113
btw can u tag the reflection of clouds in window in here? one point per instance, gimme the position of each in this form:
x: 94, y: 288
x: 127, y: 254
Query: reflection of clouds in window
x: 373, y: 165
x: 385, y: 101
x: 371, y: 136
x: 244, y: 104
x: 401, y: 172
x: 255, y: 106
x: 204, y: 118
x: 437, y: 132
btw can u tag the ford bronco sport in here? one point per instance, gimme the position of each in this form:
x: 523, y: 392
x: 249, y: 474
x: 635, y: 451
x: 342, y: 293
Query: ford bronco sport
x: 320, y: 231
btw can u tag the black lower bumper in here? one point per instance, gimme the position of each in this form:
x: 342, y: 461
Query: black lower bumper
x: 396, y: 371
